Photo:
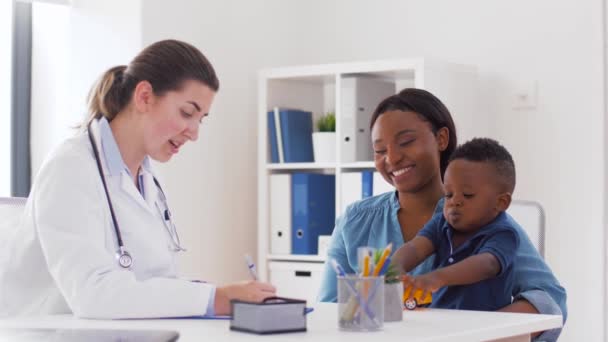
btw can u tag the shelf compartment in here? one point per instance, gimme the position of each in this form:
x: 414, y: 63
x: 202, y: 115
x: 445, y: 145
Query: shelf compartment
x: 296, y: 257
x: 358, y: 165
x: 300, y: 166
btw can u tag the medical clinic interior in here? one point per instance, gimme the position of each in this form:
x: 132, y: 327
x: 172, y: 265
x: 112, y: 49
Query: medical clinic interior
x: 231, y: 170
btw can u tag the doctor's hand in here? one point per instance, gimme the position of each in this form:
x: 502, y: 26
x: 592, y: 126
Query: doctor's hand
x: 251, y: 291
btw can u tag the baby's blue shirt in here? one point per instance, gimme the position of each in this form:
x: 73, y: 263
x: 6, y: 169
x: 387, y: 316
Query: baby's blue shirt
x: 498, y: 238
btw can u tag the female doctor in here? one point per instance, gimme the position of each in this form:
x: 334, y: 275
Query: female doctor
x: 97, y: 237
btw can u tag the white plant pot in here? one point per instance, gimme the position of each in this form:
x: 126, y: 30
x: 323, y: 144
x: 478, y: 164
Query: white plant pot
x: 393, y: 302
x: 324, y: 146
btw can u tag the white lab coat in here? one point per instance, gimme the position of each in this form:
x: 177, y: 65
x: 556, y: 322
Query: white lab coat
x: 62, y: 258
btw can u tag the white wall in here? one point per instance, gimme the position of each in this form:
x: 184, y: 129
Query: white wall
x: 215, y: 209
x: 558, y: 146
x: 50, y: 96
x: 71, y: 47
x: 6, y: 45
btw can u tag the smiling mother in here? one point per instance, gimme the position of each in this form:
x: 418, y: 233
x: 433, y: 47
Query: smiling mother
x: 413, y: 136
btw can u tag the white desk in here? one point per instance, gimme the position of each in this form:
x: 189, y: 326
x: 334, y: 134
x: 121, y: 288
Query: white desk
x: 419, y: 325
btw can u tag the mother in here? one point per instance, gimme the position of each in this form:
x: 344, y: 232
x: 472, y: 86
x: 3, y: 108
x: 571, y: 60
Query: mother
x: 413, y: 136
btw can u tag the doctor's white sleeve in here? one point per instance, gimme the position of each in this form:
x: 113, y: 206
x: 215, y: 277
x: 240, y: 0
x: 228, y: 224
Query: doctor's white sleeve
x: 70, y: 212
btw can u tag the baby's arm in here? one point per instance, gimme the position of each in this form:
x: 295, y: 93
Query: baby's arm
x: 495, y: 255
x: 413, y: 253
x: 470, y: 270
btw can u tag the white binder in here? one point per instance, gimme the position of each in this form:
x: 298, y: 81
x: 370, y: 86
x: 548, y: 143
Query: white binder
x: 380, y: 185
x: 360, y: 97
x: 351, y: 189
x: 280, y: 214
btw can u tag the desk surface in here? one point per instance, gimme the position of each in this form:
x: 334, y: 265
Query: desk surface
x: 419, y: 325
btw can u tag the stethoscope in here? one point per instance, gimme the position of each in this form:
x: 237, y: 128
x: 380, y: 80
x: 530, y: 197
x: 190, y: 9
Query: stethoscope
x: 125, y: 260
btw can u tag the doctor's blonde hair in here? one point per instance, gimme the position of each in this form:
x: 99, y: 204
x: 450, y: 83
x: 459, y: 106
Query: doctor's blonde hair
x: 165, y: 64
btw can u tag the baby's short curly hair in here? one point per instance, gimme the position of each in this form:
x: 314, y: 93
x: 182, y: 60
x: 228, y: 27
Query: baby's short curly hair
x: 489, y: 151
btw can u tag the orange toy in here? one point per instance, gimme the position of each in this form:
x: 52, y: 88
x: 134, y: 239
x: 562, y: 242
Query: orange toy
x: 417, y: 298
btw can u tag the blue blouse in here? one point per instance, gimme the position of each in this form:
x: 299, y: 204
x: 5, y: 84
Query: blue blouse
x: 373, y: 222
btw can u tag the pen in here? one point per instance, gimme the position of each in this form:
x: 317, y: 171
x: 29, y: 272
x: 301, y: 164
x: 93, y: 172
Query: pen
x: 251, y: 267
x: 339, y: 270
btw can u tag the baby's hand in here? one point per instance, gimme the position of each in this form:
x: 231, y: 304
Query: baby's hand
x: 427, y: 283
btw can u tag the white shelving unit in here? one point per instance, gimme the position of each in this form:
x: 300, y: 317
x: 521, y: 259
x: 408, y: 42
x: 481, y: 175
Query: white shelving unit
x: 318, y: 88
x: 302, y: 166
x: 296, y: 258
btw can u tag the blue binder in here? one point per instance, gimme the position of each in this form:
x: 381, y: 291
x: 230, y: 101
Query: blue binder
x: 296, y: 135
x: 272, y: 138
x: 367, y: 184
x: 313, y: 210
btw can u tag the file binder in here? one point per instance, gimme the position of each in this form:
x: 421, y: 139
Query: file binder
x: 381, y: 185
x: 367, y: 184
x: 360, y: 96
x: 355, y: 187
x: 280, y: 214
x: 275, y: 156
x: 295, y: 128
x: 351, y: 189
x: 313, y: 210
x: 274, y: 315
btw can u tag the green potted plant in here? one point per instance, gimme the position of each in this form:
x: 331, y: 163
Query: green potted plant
x: 324, y: 139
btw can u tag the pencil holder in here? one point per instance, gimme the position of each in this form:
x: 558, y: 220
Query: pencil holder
x: 360, y: 303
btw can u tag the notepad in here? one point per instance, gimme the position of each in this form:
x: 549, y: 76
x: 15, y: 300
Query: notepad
x: 69, y: 334
x: 274, y: 315
x: 220, y: 317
